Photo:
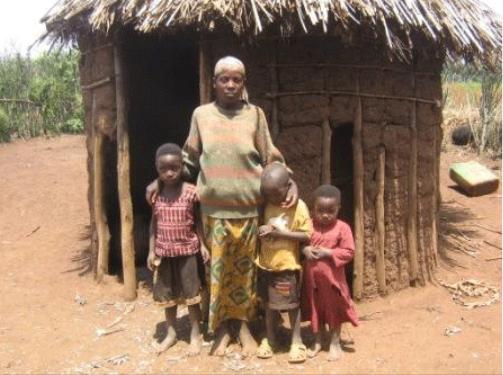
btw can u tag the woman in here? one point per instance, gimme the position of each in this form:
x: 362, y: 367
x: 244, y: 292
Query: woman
x: 227, y: 147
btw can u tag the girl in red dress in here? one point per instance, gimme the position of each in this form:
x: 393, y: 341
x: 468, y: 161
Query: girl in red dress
x: 326, y: 299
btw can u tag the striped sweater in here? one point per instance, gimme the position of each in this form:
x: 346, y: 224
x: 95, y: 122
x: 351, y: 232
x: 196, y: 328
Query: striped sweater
x: 226, y: 150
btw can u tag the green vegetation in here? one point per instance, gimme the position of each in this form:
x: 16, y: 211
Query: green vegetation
x: 40, y: 95
x: 472, y: 95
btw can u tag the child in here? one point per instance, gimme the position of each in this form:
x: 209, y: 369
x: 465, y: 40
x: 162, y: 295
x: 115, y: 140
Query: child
x: 325, y: 293
x: 279, y: 254
x: 174, y: 245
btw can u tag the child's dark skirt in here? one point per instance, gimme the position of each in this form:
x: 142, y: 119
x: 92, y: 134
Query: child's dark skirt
x: 279, y: 290
x: 176, y: 281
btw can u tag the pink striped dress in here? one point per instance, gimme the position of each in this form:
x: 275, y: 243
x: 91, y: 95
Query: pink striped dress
x: 176, y: 235
x: 326, y: 297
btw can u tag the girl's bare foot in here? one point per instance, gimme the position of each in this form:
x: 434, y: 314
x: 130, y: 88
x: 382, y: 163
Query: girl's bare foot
x: 221, y: 341
x: 313, y: 352
x: 335, y: 352
x: 167, y: 343
x: 247, y: 341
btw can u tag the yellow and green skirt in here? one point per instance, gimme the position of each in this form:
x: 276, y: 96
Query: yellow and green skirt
x: 232, y: 275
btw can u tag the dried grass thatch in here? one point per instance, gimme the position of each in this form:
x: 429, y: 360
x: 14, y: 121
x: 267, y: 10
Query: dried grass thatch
x: 461, y: 27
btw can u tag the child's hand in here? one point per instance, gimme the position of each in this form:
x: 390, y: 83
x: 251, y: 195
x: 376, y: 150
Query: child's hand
x: 265, y: 230
x: 151, y: 192
x: 323, y: 253
x: 310, y: 252
x: 151, y: 261
x: 205, y: 253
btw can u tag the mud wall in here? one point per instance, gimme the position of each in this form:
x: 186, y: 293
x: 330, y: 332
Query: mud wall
x: 300, y: 83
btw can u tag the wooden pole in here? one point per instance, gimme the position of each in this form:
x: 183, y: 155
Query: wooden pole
x: 205, y: 75
x: 100, y: 216
x: 123, y: 174
x: 358, y: 175
x: 412, y: 200
x: 273, y: 72
x: 379, y: 214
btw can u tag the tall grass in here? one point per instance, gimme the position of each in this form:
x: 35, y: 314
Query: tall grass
x: 39, y: 96
x: 472, y: 96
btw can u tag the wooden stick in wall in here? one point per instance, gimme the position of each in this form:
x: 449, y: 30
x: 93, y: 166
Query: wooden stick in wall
x: 358, y: 175
x: 380, y: 217
x: 412, y: 201
x: 123, y: 174
x: 273, y: 72
x: 326, y: 131
x: 205, y: 75
x: 100, y: 216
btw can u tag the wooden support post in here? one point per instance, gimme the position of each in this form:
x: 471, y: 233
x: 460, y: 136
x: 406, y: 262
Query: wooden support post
x: 434, y: 205
x: 358, y: 176
x: 273, y: 72
x: 123, y: 174
x: 326, y: 173
x: 205, y: 74
x: 412, y: 201
x: 100, y: 216
x: 379, y: 218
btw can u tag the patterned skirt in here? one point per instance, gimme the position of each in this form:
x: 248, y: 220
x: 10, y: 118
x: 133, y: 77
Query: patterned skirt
x: 232, y: 244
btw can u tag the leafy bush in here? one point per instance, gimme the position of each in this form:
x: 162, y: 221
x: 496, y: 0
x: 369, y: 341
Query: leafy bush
x: 40, y: 95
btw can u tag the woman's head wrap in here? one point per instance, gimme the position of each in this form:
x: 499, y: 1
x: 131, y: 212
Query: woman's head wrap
x: 231, y: 63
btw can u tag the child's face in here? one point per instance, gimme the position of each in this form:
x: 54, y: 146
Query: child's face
x: 275, y: 194
x: 169, y: 168
x: 326, y: 210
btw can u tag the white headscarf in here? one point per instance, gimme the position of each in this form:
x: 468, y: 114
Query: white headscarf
x: 231, y: 63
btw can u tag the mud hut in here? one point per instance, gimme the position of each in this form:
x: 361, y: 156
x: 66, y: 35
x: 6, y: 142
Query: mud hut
x: 352, y: 91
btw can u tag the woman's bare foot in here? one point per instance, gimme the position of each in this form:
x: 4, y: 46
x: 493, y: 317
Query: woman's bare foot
x: 195, y: 346
x: 167, y: 343
x: 221, y: 341
x: 247, y: 341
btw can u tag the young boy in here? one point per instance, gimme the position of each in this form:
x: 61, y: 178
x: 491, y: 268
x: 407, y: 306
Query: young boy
x: 175, y: 240
x: 281, y: 236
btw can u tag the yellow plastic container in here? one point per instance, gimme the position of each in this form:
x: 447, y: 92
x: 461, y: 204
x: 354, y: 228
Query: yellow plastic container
x: 474, y: 178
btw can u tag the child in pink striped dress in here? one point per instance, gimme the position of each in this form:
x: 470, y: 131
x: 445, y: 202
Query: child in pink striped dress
x: 175, y: 240
x: 326, y: 298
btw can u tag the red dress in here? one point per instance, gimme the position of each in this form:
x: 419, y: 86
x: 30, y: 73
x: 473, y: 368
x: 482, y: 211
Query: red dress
x: 325, y: 292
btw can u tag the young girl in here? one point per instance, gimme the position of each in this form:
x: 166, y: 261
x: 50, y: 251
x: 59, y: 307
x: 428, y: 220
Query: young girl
x: 174, y: 244
x: 325, y: 295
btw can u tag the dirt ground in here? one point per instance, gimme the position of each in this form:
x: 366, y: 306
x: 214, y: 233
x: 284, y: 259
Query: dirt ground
x: 51, y: 308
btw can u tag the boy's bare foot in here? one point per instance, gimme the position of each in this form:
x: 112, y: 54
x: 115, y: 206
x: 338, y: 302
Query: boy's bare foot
x: 221, y: 341
x: 247, y: 341
x: 335, y: 352
x: 195, y: 347
x: 167, y: 343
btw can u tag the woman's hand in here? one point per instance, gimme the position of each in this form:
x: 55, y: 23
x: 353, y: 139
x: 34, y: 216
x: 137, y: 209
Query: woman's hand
x: 205, y: 253
x: 151, y: 192
x: 292, y: 195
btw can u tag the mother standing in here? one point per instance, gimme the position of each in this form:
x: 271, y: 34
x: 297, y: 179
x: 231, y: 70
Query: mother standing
x: 228, y: 145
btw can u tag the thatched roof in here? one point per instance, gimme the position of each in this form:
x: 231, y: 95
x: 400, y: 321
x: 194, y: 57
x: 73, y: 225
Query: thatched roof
x: 461, y: 27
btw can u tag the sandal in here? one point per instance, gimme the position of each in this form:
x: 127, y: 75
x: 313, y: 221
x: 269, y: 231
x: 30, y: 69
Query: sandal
x: 265, y: 350
x: 297, y: 354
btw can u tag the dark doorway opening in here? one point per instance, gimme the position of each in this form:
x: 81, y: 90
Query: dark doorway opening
x: 342, y: 176
x: 162, y: 91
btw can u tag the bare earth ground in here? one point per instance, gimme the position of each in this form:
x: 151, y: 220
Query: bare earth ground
x: 44, y: 328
